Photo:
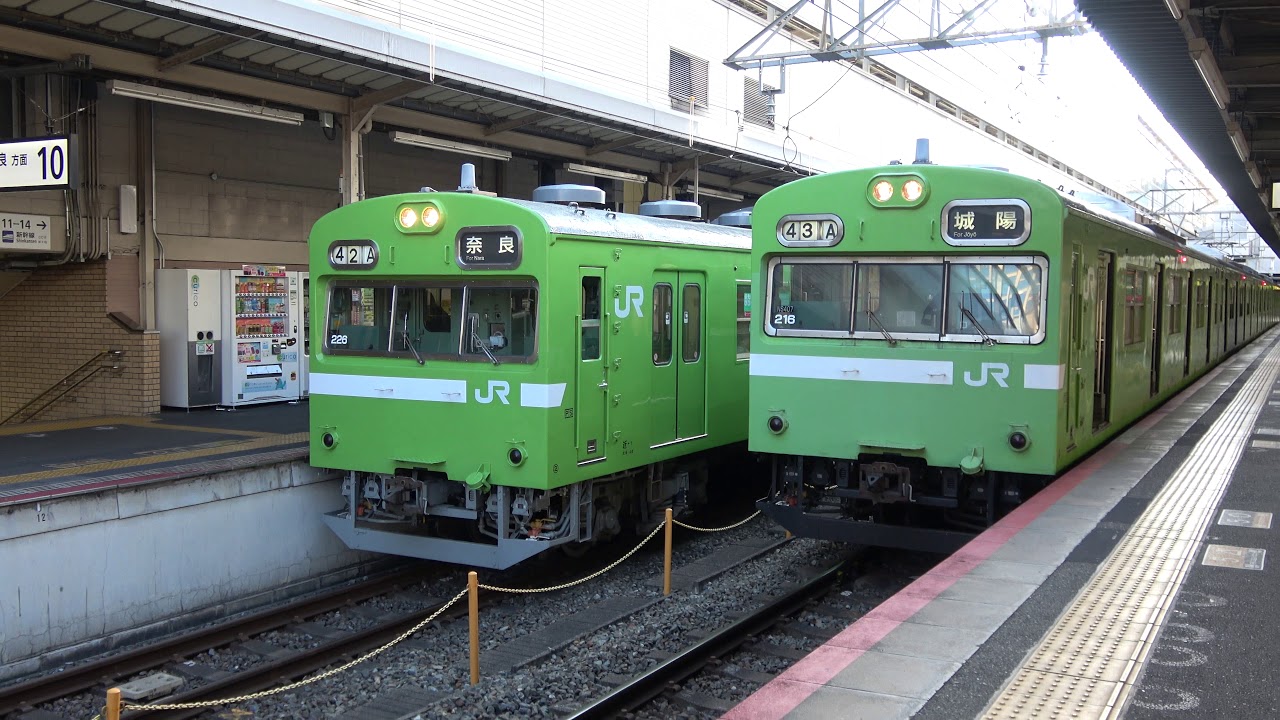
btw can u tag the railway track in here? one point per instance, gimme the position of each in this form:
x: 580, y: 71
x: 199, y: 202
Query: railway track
x: 95, y: 676
x: 662, y: 679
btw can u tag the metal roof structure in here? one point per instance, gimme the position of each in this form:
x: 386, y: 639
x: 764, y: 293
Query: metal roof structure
x: 1213, y: 69
x: 306, y: 57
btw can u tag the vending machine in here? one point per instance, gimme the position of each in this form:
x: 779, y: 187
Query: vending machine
x: 189, y: 318
x: 262, y: 327
x: 302, y: 309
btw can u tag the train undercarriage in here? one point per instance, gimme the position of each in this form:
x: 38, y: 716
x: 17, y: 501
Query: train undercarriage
x: 891, y: 500
x: 423, y: 514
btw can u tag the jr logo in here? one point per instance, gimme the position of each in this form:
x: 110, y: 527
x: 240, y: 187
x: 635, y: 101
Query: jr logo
x: 500, y: 388
x: 635, y: 298
x: 998, y: 371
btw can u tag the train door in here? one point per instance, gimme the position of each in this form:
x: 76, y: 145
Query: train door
x: 678, y: 391
x: 1103, y: 289
x: 1076, y: 348
x: 1190, y: 303
x: 1157, y: 330
x: 591, y: 402
x: 1209, y: 318
x: 691, y: 383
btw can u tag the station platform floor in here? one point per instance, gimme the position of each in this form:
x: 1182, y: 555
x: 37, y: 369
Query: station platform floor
x: 53, y: 459
x: 1135, y: 586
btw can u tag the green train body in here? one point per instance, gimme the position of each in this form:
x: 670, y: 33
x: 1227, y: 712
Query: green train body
x: 921, y: 366
x: 502, y: 376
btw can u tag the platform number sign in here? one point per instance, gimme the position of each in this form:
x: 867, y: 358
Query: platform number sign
x: 820, y: 230
x: 353, y: 254
x: 44, y: 163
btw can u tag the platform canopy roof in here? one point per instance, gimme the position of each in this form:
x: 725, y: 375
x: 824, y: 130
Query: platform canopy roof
x: 296, y: 55
x: 1213, y: 69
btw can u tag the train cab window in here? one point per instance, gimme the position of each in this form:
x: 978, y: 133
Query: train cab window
x: 899, y: 298
x: 995, y: 299
x: 810, y: 297
x: 744, y: 320
x: 662, y: 324
x: 359, y: 319
x: 501, y: 323
x: 425, y: 320
x: 590, y: 318
x: 691, y: 319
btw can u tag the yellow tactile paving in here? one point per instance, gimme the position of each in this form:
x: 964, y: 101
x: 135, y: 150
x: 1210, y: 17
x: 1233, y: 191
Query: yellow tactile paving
x: 221, y: 449
x: 1086, y: 665
x: 57, y: 425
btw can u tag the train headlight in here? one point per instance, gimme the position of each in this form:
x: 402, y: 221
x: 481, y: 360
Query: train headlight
x: 882, y: 191
x: 1019, y: 441
x: 912, y: 190
x: 408, y: 218
x: 430, y: 217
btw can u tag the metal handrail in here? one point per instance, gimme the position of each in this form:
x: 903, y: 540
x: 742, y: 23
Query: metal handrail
x: 64, y: 386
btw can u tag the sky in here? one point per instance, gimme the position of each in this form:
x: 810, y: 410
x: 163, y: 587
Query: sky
x: 1083, y: 106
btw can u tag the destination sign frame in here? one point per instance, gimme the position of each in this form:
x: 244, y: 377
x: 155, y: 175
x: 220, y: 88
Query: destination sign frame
x: 485, y: 247
x: 40, y: 163
x: 982, y: 222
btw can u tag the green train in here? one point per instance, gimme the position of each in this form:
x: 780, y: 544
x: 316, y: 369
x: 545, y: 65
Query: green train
x: 935, y: 344
x: 499, y: 377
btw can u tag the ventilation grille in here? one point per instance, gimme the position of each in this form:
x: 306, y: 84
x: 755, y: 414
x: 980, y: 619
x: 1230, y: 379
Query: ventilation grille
x: 688, y: 80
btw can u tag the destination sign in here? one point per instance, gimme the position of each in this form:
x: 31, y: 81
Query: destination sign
x: 489, y: 248
x: 36, y: 164
x: 986, y: 222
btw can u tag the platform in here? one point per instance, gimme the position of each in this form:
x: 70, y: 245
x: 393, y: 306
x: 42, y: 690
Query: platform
x: 60, y: 458
x: 1137, y: 585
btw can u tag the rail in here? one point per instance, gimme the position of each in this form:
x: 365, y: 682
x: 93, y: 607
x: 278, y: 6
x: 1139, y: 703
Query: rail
x: 59, y: 389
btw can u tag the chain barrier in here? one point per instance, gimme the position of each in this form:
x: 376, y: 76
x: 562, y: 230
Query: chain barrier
x: 740, y: 523
x: 292, y: 686
x: 592, y: 576
x: 406, y: 634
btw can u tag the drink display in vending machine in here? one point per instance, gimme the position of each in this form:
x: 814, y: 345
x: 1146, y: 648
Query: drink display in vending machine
x: 262, y: 331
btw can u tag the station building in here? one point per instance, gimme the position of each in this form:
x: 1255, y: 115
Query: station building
x: 143, y: 137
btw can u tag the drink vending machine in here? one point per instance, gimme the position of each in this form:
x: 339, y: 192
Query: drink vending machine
x: 230, y: 337
x: 263, y: 328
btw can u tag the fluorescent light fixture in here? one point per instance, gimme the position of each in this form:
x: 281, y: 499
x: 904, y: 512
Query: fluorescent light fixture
x: 202, y: 102
x: 712, y: 192
x: 448, y: 145
x: 1254, y: 175
x: 1209, y: 72
x: 1275, y: 196
x: 1237, y: 139
x: 1174, y: 9
x: 604, y: 172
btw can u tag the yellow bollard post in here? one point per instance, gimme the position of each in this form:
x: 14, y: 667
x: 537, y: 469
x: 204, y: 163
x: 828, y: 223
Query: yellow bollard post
x: 473, y: 595
x: 788, y: 535
x: 113, y: 704
x: 666, y: 562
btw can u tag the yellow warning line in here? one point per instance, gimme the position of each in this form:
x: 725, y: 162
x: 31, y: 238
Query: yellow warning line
x: 143, y: 422
x: 56, y: 425
x: 228, y: 448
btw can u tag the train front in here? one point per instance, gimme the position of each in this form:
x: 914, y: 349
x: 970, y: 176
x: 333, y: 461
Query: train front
x: 905, y: 370
x: 429, y: 384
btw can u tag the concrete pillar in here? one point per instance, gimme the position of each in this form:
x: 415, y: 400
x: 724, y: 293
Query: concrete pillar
x: 144, y: 113
x: 352, y: 160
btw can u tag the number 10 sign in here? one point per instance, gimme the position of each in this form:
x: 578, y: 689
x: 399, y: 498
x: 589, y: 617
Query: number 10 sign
x: 46, y: 163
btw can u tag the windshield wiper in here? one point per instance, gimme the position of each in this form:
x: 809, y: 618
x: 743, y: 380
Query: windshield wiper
x: 892, y: 340
x: 404, y: 334
x: 986, y: 339
x: 476, y: 339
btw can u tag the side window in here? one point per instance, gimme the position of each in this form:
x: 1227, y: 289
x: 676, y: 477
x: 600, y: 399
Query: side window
x: 691, y: 313
x: 744, y: 320
x: 662, y: 324
x: 1176, y: 314
x: 590, y: 318
x: 1135, y: 289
